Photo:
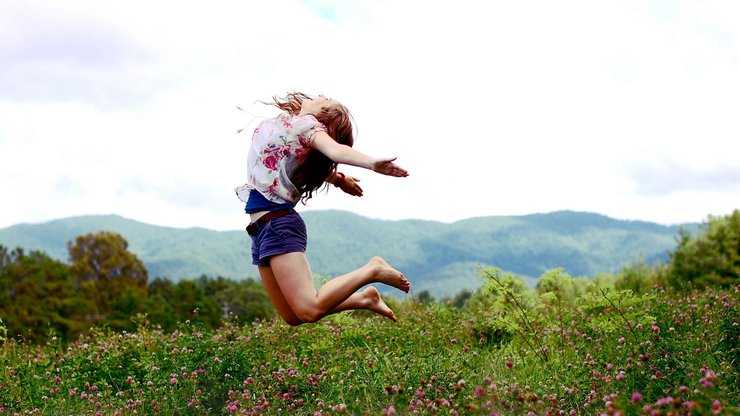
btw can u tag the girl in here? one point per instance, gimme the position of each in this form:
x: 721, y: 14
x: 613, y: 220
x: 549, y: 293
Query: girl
x: 292, y: 156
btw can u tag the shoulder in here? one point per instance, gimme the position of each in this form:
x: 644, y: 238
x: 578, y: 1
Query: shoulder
x: 306, y: 125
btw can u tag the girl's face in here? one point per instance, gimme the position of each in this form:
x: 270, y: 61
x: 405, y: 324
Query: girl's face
x: 314, y: 106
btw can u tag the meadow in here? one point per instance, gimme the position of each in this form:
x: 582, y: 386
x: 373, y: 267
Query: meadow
x: 564, y: 348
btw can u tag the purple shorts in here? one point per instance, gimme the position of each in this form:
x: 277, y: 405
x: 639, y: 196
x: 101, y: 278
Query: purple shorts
x: 286, y: 234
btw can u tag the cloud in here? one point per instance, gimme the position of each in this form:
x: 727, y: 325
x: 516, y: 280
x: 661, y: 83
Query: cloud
x: 179, y: 193
x: 63, y: 53
x: 664, y: 177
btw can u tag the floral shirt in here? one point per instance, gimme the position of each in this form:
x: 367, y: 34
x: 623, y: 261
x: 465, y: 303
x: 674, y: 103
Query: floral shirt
x: 273, y: 156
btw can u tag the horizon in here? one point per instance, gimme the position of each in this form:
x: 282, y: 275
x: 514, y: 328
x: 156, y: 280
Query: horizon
x: 362, y: 216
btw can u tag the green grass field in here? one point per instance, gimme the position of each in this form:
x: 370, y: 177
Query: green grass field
x: 605, y: 353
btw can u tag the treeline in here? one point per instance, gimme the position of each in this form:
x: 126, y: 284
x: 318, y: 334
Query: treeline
x: 709, y: 259
x: 106, y: 285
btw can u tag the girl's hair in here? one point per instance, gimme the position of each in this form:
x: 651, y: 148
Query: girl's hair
x: 314, y: 167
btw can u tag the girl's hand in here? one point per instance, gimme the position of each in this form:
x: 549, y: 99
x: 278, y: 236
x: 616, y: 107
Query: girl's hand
x: 349, y: 185
x: 387, y: 167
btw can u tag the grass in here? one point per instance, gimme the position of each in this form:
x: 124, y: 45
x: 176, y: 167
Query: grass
x: 667, y: 354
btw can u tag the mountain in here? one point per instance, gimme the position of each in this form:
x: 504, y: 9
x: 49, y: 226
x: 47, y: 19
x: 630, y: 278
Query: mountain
x: 440, y: 257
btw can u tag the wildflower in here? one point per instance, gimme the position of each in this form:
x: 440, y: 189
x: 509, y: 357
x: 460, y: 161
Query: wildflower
x: 620, y: 375
x: 636, y: 397
x: 479, y: 391
x: 716, y: 407
x: 664, y: 401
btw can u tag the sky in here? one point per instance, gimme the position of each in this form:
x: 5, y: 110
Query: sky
x: 629, y: 109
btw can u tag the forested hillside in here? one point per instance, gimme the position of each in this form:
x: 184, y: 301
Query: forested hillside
x: 439, y: 257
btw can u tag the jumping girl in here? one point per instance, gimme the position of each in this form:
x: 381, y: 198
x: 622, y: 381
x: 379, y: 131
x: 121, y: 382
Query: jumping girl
x: 292, y: 156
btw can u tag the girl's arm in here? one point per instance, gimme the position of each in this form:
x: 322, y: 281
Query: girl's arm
x: 346, y: 183
x: 340, y: 153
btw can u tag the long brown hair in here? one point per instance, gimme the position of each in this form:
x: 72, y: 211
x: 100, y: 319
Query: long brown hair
x: 314, y: 167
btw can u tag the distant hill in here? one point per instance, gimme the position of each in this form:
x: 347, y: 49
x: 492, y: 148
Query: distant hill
x: 439, y: 257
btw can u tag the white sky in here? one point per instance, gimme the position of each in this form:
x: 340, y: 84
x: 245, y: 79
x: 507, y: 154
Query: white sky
x: 629, y: 109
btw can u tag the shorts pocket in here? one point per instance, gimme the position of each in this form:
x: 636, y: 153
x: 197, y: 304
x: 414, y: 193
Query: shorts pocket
x: 291, y: 226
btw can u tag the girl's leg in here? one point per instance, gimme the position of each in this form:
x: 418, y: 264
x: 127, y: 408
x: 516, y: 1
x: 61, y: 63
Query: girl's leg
x: 367, y: 299
x: 277, y: 298
x: 293, y: 276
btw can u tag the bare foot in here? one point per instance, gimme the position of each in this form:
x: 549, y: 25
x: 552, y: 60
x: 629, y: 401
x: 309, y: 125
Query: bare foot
x: 384, y: 273
x: 377, y: 305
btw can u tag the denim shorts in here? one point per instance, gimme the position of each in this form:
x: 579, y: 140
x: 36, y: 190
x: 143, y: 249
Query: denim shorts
x: 286, y: 234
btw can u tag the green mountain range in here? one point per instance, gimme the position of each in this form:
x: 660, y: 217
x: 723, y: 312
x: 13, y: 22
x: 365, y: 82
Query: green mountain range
x: 442, y: 258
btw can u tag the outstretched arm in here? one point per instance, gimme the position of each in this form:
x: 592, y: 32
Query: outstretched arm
x: 340, y: 153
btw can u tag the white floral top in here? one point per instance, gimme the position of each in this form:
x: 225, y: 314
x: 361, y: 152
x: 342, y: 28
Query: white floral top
x: 273, y: 155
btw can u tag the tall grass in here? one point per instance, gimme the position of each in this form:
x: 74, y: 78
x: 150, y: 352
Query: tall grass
x: 507, y: 351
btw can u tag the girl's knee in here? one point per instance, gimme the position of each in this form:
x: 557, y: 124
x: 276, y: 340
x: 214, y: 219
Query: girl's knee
x: 308, y: 314
x: 293, y: 321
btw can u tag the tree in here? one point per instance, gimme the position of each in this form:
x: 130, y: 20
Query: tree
x: 159, y: 310
x: 246, y: 299
x: 37, y: 295
x: 189, y: 301
x: 103, y: 268
x: 710, y: 258
x: 128, y: 304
